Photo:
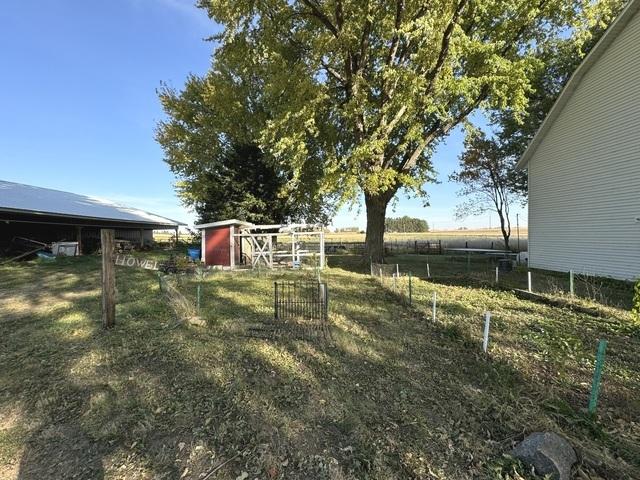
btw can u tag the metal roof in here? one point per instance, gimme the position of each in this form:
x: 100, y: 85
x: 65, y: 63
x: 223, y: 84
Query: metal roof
x: 223, y: 223
x: 596, y: 52
x: 20, y: 198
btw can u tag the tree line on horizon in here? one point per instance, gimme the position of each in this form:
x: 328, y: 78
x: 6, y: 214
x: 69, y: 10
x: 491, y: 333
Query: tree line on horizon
x: 406, y: 224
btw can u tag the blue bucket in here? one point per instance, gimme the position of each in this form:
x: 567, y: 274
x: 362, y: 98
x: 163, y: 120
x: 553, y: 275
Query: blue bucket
x: 194, y: 254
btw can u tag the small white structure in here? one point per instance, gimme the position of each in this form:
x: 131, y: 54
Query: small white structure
x: 584, y: 163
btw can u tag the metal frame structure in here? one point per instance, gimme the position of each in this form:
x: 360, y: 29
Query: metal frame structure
x: 265, y: 248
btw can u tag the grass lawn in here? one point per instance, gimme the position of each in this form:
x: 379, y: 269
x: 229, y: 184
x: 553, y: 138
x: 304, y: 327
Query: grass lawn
x: 392, y: 395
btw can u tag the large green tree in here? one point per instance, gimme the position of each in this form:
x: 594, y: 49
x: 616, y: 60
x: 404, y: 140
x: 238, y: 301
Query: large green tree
x: 359, y: 93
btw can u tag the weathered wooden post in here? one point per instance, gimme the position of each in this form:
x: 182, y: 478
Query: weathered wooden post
x: 410, y: 291
x: 107, y: 237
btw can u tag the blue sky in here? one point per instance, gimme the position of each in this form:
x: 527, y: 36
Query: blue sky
x: 78, y: 103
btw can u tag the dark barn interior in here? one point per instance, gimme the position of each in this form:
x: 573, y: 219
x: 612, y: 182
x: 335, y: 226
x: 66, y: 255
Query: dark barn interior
x: 32, y: 216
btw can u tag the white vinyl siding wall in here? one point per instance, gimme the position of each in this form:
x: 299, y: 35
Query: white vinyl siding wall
x: 584, y: 176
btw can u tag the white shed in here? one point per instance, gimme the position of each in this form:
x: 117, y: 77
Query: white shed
x: 584, y: 163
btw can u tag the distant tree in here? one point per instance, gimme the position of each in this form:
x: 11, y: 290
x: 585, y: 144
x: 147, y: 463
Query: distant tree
x: 489, y: 180
x: 406, y: 224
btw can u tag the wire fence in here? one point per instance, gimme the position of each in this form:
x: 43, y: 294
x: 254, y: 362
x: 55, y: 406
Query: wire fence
x: 572, y: 339
x: 501, y: 273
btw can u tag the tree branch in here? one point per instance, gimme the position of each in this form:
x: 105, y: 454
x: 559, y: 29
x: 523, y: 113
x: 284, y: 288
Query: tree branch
x: 315, y: 8
x: 444, y: 46
x: 441, y: 129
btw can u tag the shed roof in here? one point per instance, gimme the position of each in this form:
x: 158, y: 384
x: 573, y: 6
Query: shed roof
x: 223, y: 223
x: 20, y: 198
x: 596, y: 52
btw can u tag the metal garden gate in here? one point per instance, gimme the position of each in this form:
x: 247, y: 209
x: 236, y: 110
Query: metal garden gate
x: 301, y: 300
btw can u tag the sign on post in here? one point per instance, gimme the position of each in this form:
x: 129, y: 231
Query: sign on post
x: 131, y: 261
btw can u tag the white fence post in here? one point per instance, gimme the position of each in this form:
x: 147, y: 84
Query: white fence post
x: 571, y: 289
x: 435, y: 299
x: 529, y: 282
x: 428, y: 272
x: 487, y: 321
x: 496, y: 275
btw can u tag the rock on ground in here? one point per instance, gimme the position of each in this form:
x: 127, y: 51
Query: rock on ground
x: 548, y: 453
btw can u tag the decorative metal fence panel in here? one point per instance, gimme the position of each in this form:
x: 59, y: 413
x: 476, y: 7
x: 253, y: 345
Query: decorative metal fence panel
x: 300, y: 300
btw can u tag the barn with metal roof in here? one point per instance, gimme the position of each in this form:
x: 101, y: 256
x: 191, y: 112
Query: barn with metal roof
x: 47, y: 215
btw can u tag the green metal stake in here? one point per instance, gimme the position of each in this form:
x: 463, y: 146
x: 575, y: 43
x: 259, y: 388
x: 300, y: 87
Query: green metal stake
x: 410, y: 293
x: 198, y: 304
x: 571, y: 282
x: 597, y: 375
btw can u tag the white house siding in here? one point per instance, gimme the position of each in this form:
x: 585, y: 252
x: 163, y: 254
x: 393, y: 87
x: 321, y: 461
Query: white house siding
x: 584, y: 176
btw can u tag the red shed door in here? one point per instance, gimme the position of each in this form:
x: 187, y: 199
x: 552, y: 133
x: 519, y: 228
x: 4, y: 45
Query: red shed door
x: 218, y: 246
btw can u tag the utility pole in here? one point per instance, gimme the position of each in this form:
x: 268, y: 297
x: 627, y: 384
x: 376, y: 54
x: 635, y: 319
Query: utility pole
x: 518, y: 229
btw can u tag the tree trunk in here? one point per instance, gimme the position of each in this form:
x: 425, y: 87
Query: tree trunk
x: 376, y: 212
x: 505, y: 226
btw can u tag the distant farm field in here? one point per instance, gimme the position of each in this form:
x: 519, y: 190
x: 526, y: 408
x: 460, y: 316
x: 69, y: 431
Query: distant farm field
x: 165, y: 236
x: 432, y: 235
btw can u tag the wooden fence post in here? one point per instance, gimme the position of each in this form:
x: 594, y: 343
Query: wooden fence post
x: 107, y: 237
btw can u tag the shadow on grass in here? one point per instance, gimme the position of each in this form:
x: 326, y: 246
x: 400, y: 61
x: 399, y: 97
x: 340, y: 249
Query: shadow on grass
x: 392, y: 397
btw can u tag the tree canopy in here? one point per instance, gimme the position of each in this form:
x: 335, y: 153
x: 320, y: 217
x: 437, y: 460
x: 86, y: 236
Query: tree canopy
x: 354, y: 96
x: 222, y: 171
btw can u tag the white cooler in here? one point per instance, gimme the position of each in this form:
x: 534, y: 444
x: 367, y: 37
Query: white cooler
x: 64, y: 249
